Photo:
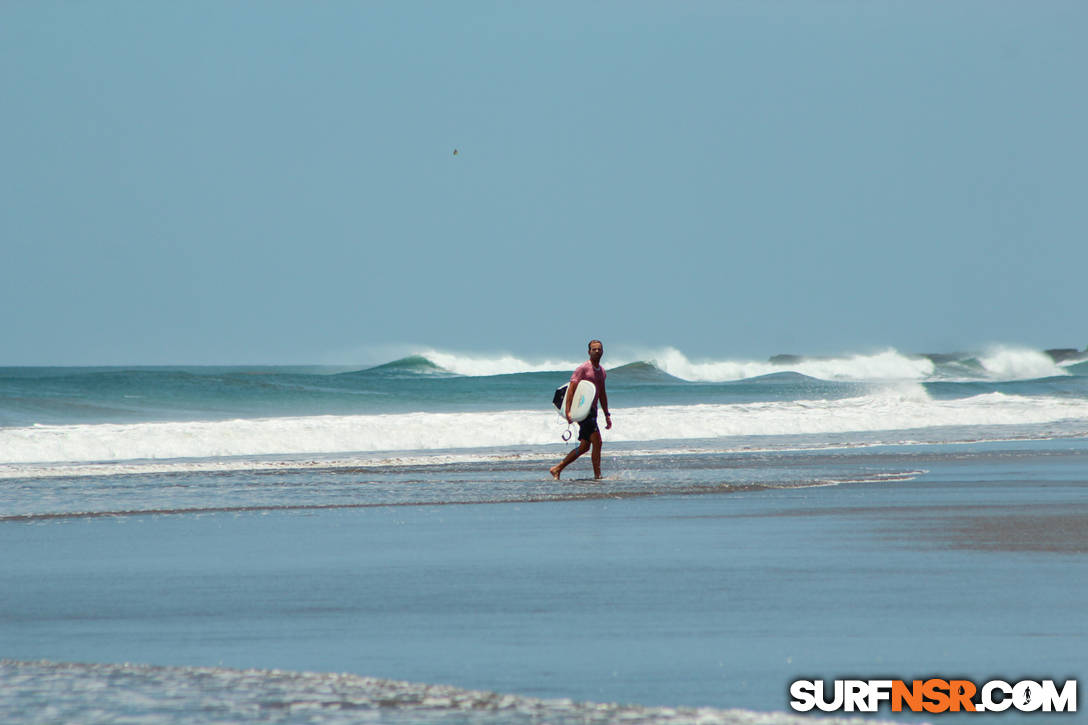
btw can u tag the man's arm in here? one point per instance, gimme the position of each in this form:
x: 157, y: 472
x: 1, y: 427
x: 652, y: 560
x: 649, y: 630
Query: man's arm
x: 566, y: 402
x: 604, y: 407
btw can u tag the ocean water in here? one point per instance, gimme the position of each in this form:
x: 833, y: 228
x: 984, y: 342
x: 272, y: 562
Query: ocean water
x: 315, y: 544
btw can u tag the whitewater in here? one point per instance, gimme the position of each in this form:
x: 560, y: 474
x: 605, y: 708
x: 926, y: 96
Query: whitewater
x: 891, y: 410
x: 445, y: 404
x: 996, y: 363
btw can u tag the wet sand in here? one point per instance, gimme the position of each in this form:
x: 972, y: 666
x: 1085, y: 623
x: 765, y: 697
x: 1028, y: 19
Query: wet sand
x: 1057, y: 528
x: 687, y: 599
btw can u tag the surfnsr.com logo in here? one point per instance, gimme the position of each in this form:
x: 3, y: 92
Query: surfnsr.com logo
x: 933, y: 695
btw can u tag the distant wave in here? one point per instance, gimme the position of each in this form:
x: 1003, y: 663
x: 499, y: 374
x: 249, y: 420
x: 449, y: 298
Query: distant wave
x: 495, y: 365
x: 894, y: 407
x: 413, y: 364
x: 1006, y: 363
x: 995, y: 364
x: 643, y: 372
x: 885, y: 365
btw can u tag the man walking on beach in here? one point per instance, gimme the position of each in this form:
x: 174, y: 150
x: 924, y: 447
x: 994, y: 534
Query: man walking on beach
x: 588, y: 432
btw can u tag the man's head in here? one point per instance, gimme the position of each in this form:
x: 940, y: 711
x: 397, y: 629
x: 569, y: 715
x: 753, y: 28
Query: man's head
x: 596, y: 350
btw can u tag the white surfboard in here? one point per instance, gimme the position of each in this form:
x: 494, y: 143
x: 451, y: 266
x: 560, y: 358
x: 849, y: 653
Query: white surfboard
x: 584, y: 393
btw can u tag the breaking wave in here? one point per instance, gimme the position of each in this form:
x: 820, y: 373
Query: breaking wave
x: 496, y: 365
x: 1020, y: 364
x: 995, y: 364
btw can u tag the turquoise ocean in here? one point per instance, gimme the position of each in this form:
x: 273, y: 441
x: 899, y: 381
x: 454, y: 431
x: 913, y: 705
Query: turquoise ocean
x: 384, y: 543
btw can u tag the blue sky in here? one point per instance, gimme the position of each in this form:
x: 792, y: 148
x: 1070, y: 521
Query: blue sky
x: 269, y: 182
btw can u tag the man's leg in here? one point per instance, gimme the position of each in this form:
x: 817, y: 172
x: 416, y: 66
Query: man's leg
x: 583, y: 446
x: 596, y: 442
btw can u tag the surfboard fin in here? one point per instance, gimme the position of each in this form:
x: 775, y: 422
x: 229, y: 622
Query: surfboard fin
x: 560, y: 394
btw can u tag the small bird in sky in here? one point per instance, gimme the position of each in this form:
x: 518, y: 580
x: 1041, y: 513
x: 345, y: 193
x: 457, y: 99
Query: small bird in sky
x: 455, y: 152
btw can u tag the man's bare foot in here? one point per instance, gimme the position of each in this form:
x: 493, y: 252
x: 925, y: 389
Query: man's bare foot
x: 554, y: 470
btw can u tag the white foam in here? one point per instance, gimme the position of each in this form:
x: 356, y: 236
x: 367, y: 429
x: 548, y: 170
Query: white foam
x: 895, y: 407
x: 498, y: 364
x: 1009, y: 363
x: 885, y: 365
x: 998, y: 363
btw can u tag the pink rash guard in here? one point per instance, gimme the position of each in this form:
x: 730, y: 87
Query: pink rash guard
x: 586, y: 371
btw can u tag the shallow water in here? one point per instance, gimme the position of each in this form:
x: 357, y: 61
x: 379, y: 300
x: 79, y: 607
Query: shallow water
x: 697, y: 580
